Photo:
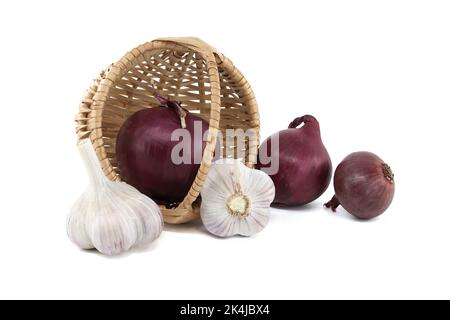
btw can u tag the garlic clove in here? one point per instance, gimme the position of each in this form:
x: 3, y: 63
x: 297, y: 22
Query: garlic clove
x: 76, y: 224
x: 236, y: 199
x: 111, y: 230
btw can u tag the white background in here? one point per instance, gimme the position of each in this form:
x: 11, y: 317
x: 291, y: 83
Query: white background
x: 375, y: 73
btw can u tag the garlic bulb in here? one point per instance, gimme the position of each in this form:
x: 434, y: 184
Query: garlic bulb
x: 111, y: 216
x: 236, y: 199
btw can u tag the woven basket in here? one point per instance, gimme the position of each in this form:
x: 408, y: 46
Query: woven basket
x: 191, y: 71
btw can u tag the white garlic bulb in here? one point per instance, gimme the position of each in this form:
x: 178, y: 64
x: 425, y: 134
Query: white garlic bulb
x: 111, y: 216
x: 236, y: 199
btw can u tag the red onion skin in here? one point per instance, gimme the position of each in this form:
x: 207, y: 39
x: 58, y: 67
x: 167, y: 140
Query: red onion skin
x: 143, y: 152
x: 364, y: 185
x: 305, y: 166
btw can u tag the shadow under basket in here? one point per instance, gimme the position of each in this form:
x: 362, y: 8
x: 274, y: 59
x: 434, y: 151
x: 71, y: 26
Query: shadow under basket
x: 187, y: 70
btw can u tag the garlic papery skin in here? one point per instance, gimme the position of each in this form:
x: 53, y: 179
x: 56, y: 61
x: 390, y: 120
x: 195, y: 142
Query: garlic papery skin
x: 111, y: 216
x: 236, y: 199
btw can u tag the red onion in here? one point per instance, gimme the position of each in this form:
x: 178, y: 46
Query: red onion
x: 304, y: 164
x: 364, y: 185
x: 144, y: 149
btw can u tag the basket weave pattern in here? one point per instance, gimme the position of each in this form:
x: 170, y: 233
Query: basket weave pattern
x: 187, y: 70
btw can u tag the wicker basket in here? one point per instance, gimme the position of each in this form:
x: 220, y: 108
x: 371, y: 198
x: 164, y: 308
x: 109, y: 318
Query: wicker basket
x: 191, y: 71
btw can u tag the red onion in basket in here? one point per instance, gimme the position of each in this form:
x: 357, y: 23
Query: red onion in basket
x: 364, y: 185
x: 304, y: 164
x: 144, y: 150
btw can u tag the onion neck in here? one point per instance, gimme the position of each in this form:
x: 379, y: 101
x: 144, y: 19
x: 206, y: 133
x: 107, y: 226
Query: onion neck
x: 387, y: 172
x: 311, y: 126
x: 306, y: 119
x: 174, y: 105
x: 333, y: 203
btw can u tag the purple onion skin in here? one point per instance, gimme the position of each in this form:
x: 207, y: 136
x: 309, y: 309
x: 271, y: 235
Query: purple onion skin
x: 305, y: 167
x: 143, y: 152
x: 364, y: 185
